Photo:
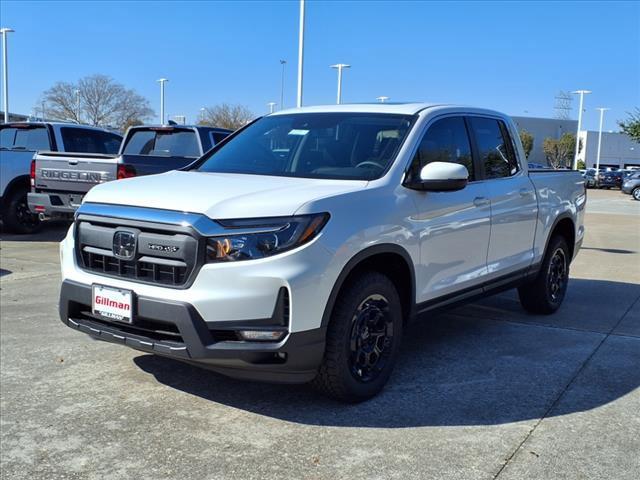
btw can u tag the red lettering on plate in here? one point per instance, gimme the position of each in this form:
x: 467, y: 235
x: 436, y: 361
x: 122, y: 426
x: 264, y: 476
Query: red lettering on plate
x: 112, y: 303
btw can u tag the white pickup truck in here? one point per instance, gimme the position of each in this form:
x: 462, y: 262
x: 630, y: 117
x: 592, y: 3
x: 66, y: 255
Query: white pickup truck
x: 19, y: 141
x: 297, y: 250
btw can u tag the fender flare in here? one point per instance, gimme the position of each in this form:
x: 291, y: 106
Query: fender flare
x: 564, y: 215
x: 355, y: 261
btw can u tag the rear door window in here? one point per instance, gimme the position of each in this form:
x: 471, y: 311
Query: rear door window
x: 84, y: 140
x: 495, y: 148
x: 169, y: 143
x: 21, y: 138
x: 217, y: 137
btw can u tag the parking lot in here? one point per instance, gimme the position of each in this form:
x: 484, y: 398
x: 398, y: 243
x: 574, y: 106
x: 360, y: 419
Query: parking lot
x: 485, y: 391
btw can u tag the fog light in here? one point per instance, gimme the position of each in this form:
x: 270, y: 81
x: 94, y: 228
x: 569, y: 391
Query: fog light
x: 262, y: 335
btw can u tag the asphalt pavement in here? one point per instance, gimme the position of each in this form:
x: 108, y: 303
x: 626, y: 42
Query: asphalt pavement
x: 485, y: 391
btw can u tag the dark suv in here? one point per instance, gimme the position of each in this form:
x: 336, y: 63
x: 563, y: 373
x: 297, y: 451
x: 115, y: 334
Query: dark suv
x: 610, y: 180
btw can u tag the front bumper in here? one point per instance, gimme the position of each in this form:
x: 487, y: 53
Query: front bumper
x: 54, y: 205
x: 627, y: 189
x: 176, y: 329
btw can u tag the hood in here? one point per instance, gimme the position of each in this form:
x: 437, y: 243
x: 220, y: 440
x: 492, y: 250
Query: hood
x: 220, y: 195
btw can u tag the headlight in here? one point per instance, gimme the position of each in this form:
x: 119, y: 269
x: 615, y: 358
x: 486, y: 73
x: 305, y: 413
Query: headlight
x: 269, y: 236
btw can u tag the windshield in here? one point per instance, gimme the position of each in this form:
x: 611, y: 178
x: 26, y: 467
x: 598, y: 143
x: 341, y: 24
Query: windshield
x: 29, y: 137
x: 314, y: 145
x: 166, y: 142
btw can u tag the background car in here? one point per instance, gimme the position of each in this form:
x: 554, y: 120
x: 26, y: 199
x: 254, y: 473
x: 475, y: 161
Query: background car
x: 631, y: 186
x: 612, y: 179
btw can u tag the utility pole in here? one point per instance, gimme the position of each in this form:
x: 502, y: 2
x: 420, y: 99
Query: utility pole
x: 382, y: 99
x: 5, y: 76
x: 340, y: 67
x: 283, y: 63
x: 602, y: 110
x: 300, y: 54
x: 77, y: 106
x: 162, y: 81
x: 582, y: 93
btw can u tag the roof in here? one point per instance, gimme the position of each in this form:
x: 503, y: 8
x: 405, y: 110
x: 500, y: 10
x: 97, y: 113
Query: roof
x: 60, y: 124
x: 398, y: 108
x: 179, y: 125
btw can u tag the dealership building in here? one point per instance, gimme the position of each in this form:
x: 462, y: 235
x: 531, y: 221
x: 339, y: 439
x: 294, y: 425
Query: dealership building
x: 617, y: 150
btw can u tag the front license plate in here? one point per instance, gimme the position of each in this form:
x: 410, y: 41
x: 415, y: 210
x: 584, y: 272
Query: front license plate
x: 112, y: 303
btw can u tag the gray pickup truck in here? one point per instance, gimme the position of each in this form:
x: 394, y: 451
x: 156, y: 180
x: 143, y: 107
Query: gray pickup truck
x: 19, y: 141
x: 62, y: 179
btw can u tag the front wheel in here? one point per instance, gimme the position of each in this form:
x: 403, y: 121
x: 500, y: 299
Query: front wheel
x: 363, y: 338
x: 546, y: 292
x: 17, y: 217
x: 636, y: 193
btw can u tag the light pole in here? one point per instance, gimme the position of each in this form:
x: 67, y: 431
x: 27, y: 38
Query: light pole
x: 300, y: 54
x: 5, y: 77
x: 602, y: 110
x: 271, y: 105
x: 382, y: 99
x: 162, y: 81
x: 340, y: 66
x: 582, y: 93
x: 77, y: 106
x: 283, y: 63
x: 202, y: 114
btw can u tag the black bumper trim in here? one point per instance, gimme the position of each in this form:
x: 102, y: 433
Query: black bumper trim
x: 294, y: 359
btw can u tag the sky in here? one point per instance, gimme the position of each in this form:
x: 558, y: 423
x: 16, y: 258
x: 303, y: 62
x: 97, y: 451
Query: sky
x: 510, y: 56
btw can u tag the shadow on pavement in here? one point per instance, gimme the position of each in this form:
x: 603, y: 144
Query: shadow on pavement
x: 454, y: 369
x: 610, y: 250
x: 49, y: 232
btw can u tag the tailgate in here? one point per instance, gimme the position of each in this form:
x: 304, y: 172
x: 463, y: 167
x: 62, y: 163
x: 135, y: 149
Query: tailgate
x: 73, y: 172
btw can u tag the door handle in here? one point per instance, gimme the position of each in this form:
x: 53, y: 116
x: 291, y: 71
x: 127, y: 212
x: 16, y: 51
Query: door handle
x: 525, y: 192
x: 481, y: 201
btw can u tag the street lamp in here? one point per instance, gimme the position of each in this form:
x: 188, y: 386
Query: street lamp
x: 300, y: 54
x: 77, y: 106
x: 582, y: 93
x: 340, y: 66
x: 602, y: 110
x: 162, y: 81
x: 5, y: 77
x: 271, y: 105
x: 382, y: 99
x: 283, y: 63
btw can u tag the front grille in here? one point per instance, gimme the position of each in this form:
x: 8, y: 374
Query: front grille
x: 135, y: 270
x: 167, y: 258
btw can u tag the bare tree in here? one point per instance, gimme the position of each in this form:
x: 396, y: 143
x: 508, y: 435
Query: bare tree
x: 102, y: 101
x: 226, y: 116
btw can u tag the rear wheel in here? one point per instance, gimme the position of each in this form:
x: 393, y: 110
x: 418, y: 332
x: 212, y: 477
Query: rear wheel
x: 546, y: 292
x: 363, y: 338
x: 17, y: 217
x: 636, y: 193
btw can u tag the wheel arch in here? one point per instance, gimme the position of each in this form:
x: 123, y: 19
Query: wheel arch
x: 565, y: 226
x: 389, y: 259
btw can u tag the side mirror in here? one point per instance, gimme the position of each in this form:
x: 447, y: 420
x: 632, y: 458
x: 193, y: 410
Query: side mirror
x: 442, y: 177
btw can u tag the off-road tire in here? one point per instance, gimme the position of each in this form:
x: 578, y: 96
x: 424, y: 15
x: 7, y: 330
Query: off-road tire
x: 545, y: 293
x: 16, y: 217
x: 336, y: 377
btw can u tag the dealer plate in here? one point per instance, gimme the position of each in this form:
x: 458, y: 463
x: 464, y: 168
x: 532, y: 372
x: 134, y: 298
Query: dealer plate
x: 112, y: 303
